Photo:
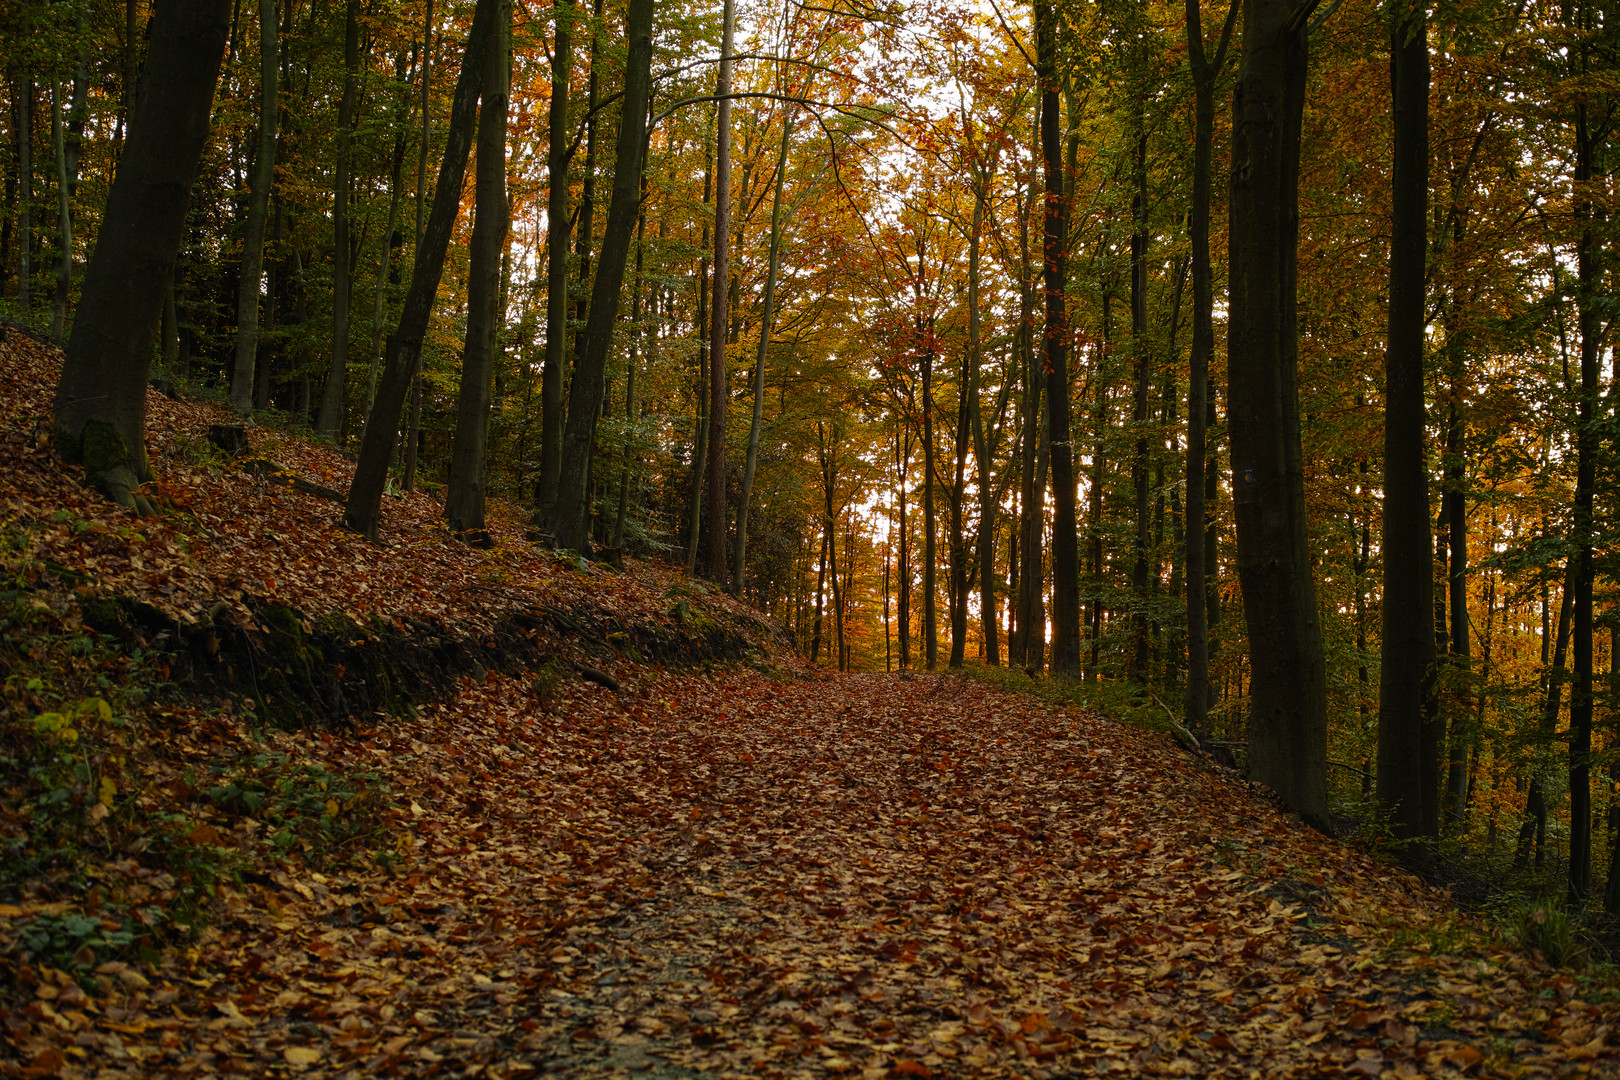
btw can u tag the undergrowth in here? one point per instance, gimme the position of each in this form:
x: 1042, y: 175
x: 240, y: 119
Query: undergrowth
x: 125, y: 809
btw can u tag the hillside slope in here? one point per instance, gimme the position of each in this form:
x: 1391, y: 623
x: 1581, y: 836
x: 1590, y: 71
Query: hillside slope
x: 280, y: 801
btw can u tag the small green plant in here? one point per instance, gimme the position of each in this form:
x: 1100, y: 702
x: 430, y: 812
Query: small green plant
x: 307, y: 807
x: 1545, y: 928
x: 75, y: 942
x: 547, y: 679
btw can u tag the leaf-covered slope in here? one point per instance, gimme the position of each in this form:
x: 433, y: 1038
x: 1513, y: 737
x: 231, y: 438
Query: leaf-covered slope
x: 242, y: 574
x: 697, y: 874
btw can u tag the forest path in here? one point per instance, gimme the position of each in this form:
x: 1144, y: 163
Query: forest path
x: 860, y: 875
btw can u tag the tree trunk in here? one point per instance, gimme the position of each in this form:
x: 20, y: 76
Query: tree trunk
x: 630, y: 378
x: 930, y: 588
x: 258, y: 208
x: 1065, y: 525
x: 1142, y: 359
x: 379, y: 294
x: 1591, y: 298
x: 25, y: 194
x: 585, y: 398
x: 902, y: 454
x: 329, y: 421
x: 464, y: 497
x: 719, y: 307
x: 1195, y: 708
x: 1535, y: 803
x: 1407, y: 770
x: 551, y: 375
x: 1288, y: 700
x: 405, y: 344
x: 958, y: 537
x: 773, y: 261
x: 412, y: 425
x: 981, y: 451
x: 100, y: 408
x: 1455, y: 510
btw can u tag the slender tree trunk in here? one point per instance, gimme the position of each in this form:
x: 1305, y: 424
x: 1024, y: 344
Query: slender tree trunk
x: 257, y: 211
x: 821, y: 580
x: 719, y: 307
x: 1590, y: 297
x: 379, y: 295
x: 930, y: 588
x: 1065, y: 526
x: 1454, y: 503
x: 1195, y: 709
x: 981, y: 450
x: 64, y: 226
x: 585, y: 398
x: 98, y: 418
x: 464, y: 497
x: 551, y: 376
x: 413, y: 423
x: 1535, y: 803
x: 329, y: 421
x: 773, y: 261
x: 25, y: 193
x: 630, y: 381
x: 958, y: 537
x: 405, y: 345
x: 1288, y: 692
x: 1029, y: 650
x: 700, y: 428
x: 902, y: 451
x: 1143, y: 361
x: 1406, y: 709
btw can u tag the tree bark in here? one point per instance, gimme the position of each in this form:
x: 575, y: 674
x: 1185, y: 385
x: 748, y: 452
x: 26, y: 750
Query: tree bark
x: 930, y: 587
x: 1288, y: 699
x: 1590, y: 298
x: 551, y: 372
x: 98, y: 418
x: 1195, y: 708
x: 405, y: 344
x: 64, y: 222
x: 1142, y: 360
x: 768, y: 304
x: 585, y: 399
x: 329, y: 421
x: 1065, y: 525
x: 464, y: 497
x: 25, y: 193
x: 719, y: 307
x: 258, y: 208
x: 1407, y: 765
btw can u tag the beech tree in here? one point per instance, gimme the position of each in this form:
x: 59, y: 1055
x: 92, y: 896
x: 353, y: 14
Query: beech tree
x: 99, y: 416
x: 1408, y: 743
x: 1287, y: 735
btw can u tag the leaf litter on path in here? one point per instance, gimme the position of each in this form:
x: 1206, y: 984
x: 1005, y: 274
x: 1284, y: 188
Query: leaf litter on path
x: 852, y: 876
x: 723, y: 874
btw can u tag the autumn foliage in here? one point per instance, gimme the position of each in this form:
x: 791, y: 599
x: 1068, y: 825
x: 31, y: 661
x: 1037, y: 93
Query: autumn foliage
x: 746, y: 869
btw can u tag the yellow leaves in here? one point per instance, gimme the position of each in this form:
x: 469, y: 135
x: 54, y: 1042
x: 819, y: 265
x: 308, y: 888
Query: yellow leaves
x: 301, y: 1057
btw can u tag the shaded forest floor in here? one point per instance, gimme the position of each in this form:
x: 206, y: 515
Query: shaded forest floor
x: 276, y: 801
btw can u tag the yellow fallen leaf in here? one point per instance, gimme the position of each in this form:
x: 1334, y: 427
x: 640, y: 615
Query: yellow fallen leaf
x: 301, y: 1057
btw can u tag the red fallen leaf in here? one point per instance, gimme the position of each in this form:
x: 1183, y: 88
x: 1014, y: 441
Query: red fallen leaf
x: 1221, y: 1042
x: 47, y: 1062
x: 907, y: 1067
x: 1464, y: 1058
x: 1035, y: 1022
